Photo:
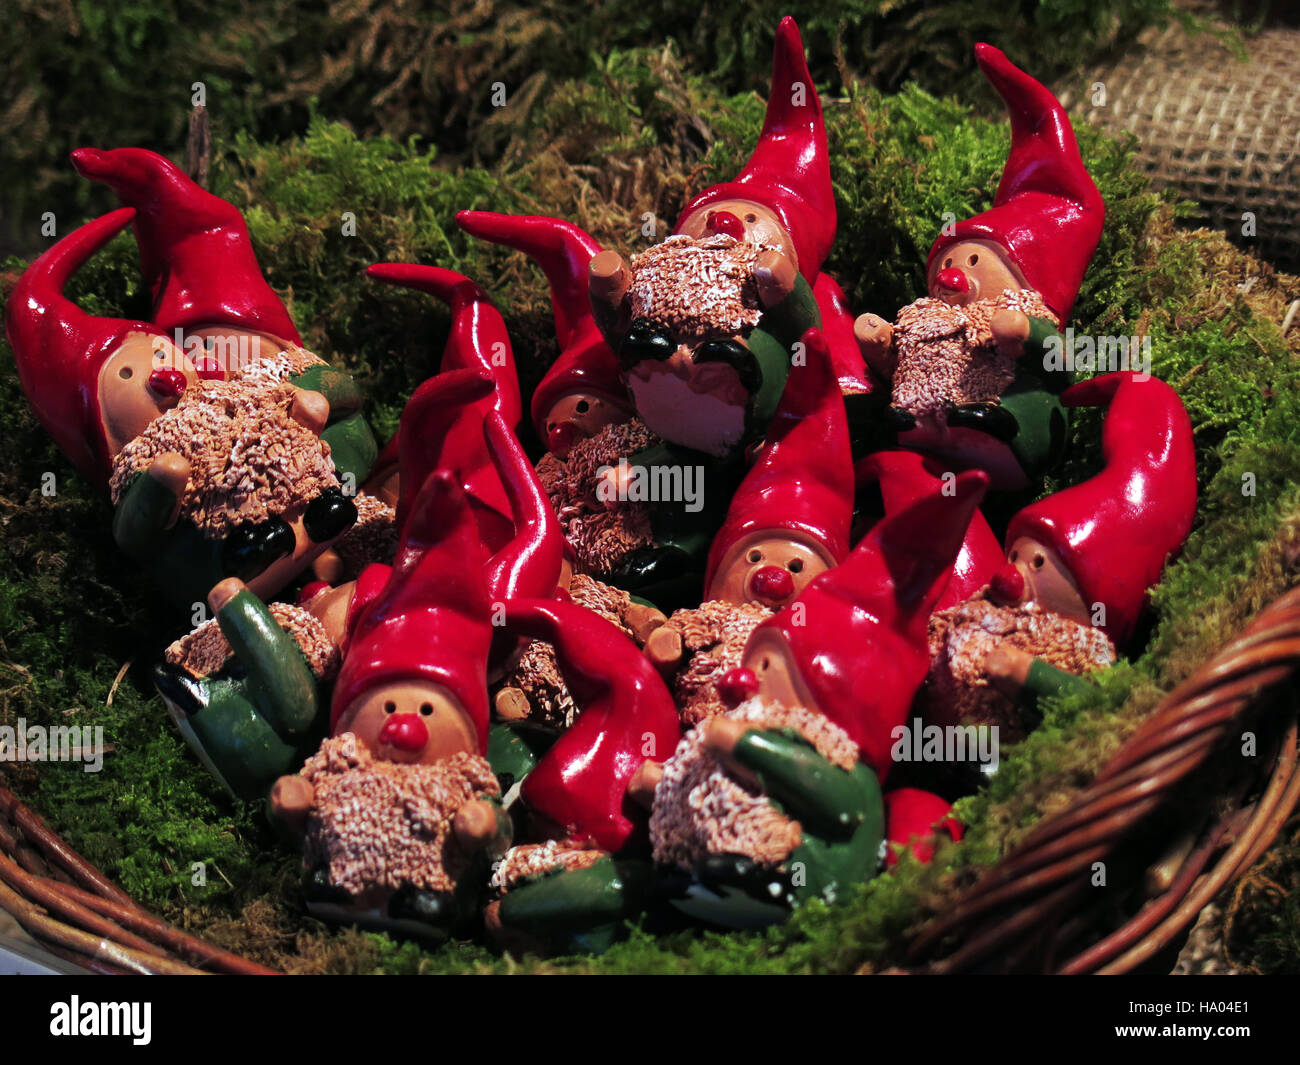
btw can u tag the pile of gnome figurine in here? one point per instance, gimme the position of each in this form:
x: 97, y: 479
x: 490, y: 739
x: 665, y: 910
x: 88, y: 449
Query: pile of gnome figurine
x: 549, y: 700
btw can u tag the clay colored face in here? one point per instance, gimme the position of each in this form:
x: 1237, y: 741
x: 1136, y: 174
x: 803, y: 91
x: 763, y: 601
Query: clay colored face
x: 1046, y: 579
x: 579, y: 416
x: 743, y: 219
x: 410, y: 722
x: 767, y: 570
x: 973, y: 270
x: 779, y: 681
x: 143, y: 378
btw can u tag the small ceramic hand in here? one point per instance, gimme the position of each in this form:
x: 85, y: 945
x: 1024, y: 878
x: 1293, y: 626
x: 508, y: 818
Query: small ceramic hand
x: 875, y: 338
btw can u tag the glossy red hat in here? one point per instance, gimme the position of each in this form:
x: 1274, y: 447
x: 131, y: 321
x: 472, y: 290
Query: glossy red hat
x: 906, y: 477
x: 194, y: 247
x: 430, y: 620
x: 442, y: 429
x: 1047, y: 213
x: 1115, y: 531
x: 478, y: 339
x: 802, y: 482
x: 858, y: 632
x: 913, y: 818
x: 59, y: 349
x: 529, y: 565
x: 790, y: 170
x: 837, y: 326
x: 627, y: 716
x: 563, y: 251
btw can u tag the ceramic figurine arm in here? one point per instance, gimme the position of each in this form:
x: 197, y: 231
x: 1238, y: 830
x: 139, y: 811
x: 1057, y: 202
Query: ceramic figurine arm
x: 1025, y: 679
x: 280, y: 680
x: 791, y: 317
x: 875, y: 338
x: 830, y: 801
x: 291, y: 800
x: 483, y: 825
x: 608, y: 281
x: 148, y: 506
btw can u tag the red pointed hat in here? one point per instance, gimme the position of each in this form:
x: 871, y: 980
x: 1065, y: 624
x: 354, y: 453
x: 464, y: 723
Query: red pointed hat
x: 913, y: 819
x: 431, y: 619
x: 790, y: 170
x: 1047, y: 213
x: 858, y: 632
x: 59, y: 349
x: 837, y: 325
x: 803, y: 480
x: 478, y: 338
x: 529, y: 565
x: 194, y: 247
x: 907, y: 477
x: 1115, y: 531
x: 442, y: 429
x: 627, y: 716
x: 563, y: 251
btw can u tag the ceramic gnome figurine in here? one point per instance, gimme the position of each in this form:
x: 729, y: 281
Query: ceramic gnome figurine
x: 972, y: 374
x: 399, y: 807
x: 580, y: 409
x: 211, y: 477
x: 578, y: 885
x: 210, y: 296
x: 705, y: 322
x: 779, y: 800
x: 1079, y: 565
x: 227, y: 684
x: 788, y: 523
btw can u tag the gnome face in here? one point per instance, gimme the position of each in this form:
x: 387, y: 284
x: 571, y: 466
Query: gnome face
x: 579, y: 416
x: 972, y: 270
x: 772, y: 662
x: 1035, y: 574
x: 746, y: 220
x: 768, y: 568
x: 144, y: 377
x: 413, y: 722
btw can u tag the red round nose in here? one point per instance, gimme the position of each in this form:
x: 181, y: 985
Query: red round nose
x: 773, y: 584
x: 167, y: 382
x: 737, y: 685
x: 560, y: 437
x: 406, y: 732
x: 1008, y: 585
x: 953, y: 280
x: 728, y: 223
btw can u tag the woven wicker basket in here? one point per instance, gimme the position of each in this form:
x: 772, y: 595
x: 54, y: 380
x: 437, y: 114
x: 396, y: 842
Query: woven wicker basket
x: 1037, y: 911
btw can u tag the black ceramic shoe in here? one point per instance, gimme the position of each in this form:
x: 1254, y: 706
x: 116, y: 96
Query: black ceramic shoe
x: 329, y: 515
x: 249, y: 549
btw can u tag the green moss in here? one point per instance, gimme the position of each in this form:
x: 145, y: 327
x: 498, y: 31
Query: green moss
x: 636, y: 133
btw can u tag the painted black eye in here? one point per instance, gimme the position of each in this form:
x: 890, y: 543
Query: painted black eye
x: 755, y: 556
x: 583, y: 406
x: 126, y: 373
x: 764, y: 664
x: 795, y: 565
x: 1039, y: 560
x: 390, y: 707
x: 972, y: 260
x: 426, y: 709
x: 1014, y: 555
x: 751, y: 218
x: 947, y: 263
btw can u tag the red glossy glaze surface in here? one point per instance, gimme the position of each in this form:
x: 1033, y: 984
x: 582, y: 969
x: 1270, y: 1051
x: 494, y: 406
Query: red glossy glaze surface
x: 627, y: 716
x: 789, y: 170
x: 1115, y: 531
x: 914, y: 818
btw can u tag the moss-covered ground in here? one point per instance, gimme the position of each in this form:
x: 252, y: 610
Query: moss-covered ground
x: 635, y: 133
